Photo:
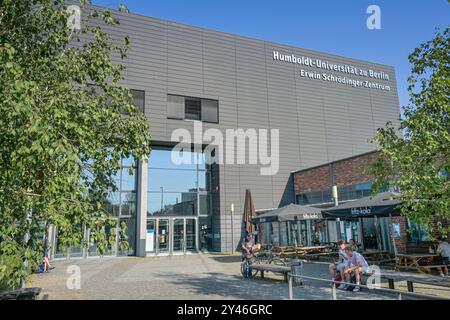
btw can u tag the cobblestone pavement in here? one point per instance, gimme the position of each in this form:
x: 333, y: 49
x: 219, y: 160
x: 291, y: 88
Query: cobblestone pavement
x: 197, y: 276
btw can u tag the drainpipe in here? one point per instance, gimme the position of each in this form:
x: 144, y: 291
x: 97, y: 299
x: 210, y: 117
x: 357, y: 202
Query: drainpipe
x: 232, y: 228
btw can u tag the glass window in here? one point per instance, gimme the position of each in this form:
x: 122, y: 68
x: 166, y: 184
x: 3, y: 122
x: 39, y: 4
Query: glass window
x: 193, y: 109
x: 131, y: 236
x: 204, y: 205
x: 173, y: 189
x: 128, y: 180
x: 172, y: 180
x: 210, y: 110
x: 138, y: 99
x: 162, y: 159
x: 128, y: 162
x: 175, y: 107
x: 417, y: 232
x: 112, y: 203
x: 128, y: 204
x: 172, y: 203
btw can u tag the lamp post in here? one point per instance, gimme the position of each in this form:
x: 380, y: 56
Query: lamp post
x: 232, y: 228
x: 334, y: 194
x: 162, y: 198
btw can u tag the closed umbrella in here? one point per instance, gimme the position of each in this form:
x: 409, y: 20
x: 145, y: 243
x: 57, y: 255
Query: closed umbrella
x: 249, y: 212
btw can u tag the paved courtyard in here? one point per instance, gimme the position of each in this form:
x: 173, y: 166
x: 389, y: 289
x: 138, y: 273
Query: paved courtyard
x: 197, y: 276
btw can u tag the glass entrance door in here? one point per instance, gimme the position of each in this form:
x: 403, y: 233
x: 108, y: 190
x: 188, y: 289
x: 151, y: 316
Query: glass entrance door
x: 191, y: 234
x: 370, y: 237
x: 171, y: 236
x: 178, y: 236
x: 163, y: 236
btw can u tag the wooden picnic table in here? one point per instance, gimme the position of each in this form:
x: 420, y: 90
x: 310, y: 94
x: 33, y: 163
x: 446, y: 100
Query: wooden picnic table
x: 377, y: 255
x: 298, y: 250
x: 415, y: 260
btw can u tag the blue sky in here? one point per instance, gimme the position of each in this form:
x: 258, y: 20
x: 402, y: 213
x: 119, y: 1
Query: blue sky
x: 337, y: 27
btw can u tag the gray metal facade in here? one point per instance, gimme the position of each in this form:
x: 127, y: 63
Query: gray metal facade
x: 319, y: 121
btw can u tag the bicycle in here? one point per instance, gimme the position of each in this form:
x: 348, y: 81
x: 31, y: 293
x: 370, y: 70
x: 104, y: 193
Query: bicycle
x: 248, y: 260
x: 269, y: 257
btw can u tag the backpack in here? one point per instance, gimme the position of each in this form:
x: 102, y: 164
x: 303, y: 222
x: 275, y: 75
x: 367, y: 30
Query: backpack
x: 338, y: 280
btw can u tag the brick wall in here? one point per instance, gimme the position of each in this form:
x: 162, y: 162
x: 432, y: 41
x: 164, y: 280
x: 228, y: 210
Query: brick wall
x: 344, y: 172
x: 404, y: 246
x: 350, y: 171
x: 312, y: 180
x: 400, y: 243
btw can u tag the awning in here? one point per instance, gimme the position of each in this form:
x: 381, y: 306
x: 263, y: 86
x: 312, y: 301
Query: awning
x: 289, y: 213
x: 379, y: 205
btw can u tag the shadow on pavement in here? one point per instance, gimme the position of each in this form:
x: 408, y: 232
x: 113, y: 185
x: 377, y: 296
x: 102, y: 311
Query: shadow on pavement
x: 226, y: 259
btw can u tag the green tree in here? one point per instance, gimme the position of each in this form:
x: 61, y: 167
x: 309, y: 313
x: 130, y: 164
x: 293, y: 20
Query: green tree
x: 415, y: 156
x: 65, y: 124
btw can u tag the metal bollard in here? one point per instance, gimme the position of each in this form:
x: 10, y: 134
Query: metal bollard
x: 297, y: 271
x: 333, y: 291
x: 291, y: 291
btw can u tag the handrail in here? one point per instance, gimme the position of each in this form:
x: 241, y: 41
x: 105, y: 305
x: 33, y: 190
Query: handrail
x: 333, y: 288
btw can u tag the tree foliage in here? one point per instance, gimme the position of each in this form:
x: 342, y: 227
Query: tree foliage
x: 415, y: 156
x: 65, y: 124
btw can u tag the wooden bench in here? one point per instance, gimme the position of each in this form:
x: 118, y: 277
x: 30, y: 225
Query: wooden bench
x: 412, y: 278
x: 271, y: 268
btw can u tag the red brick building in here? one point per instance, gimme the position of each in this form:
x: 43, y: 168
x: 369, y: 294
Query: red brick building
x: 313, y: 187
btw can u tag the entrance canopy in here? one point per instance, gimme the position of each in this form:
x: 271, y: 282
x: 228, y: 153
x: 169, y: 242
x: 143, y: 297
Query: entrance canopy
x: 378, y: 205
x: 289, y: 213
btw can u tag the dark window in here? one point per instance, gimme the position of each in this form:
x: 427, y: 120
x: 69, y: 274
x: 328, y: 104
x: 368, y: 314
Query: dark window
x: 191, y: 108
x: 417, y: 232
x: 138, y: 99
x: 345, y: 193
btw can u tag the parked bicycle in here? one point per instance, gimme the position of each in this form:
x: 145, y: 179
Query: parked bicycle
x: 248, y: 260
x: 260, y: 257
x: 269, y: 257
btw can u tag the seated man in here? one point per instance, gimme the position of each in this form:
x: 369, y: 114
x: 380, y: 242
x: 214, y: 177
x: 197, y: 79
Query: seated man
x: 342, y: 261
x: 443, y: 250
x: 352, y: 243
x: 357, y: 266
x: 247, y: 245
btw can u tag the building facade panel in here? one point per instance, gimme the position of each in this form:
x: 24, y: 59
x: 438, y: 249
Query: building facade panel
x: 318, y: 120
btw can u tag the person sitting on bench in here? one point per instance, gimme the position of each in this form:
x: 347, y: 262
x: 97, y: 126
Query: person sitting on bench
x: 352, y: 243
x: 443, y: 250
x: 357, y: 265
x: 342, y: 262
x: 247, y: 245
